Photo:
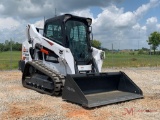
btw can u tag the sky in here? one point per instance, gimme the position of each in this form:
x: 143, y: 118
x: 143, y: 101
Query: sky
x: 124, y: 23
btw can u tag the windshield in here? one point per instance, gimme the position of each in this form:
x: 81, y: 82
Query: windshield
x: 76, y: 32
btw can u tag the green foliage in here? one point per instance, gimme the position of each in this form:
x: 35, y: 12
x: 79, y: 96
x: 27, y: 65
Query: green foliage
x: 1, y: 46
x: 104, y: 49
x: 10, y: 44
x: 145, y: 49
x: 96, y: 44
x: 141, y: 52
x: 154, y: 40
x: 132, y: 53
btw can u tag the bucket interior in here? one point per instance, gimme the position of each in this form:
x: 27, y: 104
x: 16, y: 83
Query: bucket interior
x: 93, y: 90
x: 98, y: 84
x: 107, y: 88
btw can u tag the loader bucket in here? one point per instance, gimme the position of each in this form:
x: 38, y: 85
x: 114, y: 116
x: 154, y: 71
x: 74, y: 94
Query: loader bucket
x: 91, y: 90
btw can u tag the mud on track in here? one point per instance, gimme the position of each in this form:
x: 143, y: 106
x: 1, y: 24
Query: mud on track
x: 17, y: 102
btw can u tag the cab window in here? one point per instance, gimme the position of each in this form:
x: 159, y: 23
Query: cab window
x: 54, y: 32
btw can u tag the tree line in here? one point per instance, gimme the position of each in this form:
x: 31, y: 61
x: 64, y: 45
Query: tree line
x: 154, y: 40
x: 9, y: 45
x: 15, y: 46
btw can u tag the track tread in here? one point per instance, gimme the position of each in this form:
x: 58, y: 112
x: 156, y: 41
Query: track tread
x: 56, y: 77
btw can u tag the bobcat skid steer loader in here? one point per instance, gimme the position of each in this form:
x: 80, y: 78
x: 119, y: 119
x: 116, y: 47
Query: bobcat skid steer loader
x: 61, y: 61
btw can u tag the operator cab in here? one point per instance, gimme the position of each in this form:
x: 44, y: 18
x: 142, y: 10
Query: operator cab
x: 71, y: 32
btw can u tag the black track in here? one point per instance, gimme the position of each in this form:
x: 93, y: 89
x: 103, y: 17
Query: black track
x: 38, y: 67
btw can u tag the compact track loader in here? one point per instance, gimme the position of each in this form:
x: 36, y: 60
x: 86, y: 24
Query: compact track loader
x: 61, y: 61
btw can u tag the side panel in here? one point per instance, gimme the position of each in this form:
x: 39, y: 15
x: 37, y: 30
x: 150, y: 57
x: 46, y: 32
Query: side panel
x: 65, y: 57
x: 69, y: 61
x: 26, y: 51
x: 98, y: 55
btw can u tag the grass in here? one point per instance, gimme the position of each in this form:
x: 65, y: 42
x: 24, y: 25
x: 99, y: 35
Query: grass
x: 128, y: 60
x: 8, y: 61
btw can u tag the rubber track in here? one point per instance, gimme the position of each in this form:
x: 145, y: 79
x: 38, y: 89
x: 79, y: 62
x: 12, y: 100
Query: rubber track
x: 57, y: 78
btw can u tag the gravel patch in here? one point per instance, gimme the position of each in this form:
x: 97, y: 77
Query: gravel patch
x: 17, y: 102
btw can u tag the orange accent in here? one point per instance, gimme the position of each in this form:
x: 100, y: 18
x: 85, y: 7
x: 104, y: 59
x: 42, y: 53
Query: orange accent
x: 44, y: 51
x: 23, y: 58
x: 24, y: 50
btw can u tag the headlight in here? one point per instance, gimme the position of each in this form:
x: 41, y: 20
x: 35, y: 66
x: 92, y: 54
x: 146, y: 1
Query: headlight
x: 102, y: 55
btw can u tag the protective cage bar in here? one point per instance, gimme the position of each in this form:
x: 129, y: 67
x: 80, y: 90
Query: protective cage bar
x: 91, y: 90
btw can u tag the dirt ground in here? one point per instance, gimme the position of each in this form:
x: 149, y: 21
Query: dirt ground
x: 17, y: 102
